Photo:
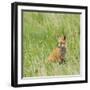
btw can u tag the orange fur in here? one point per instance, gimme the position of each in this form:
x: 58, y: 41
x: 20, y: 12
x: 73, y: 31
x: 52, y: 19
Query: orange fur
x: 55, y: 55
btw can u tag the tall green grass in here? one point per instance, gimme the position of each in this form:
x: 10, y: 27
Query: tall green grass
x: 40, y: 33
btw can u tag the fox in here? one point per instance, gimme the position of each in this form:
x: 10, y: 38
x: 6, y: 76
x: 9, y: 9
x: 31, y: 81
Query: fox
x: 58, y: 53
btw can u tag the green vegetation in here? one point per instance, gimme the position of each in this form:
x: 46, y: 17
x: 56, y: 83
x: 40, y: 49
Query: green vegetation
x: 40, y: 33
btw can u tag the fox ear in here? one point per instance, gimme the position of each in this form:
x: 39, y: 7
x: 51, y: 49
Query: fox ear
x: 64, y: 37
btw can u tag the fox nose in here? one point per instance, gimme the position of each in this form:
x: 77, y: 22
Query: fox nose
x: 62, y: 45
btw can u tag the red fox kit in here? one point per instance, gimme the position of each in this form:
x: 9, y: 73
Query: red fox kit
x: 58, y: 53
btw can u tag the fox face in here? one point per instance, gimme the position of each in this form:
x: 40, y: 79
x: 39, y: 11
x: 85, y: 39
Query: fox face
x: 58, y: 53
x: 62, y: 41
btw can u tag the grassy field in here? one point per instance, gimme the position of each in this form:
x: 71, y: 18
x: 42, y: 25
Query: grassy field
x: 40, y: 33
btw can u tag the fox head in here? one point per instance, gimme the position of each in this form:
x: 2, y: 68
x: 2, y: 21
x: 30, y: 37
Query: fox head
x: 62, y: 41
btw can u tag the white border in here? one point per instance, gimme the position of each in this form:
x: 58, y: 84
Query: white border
x: 82, y: 48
